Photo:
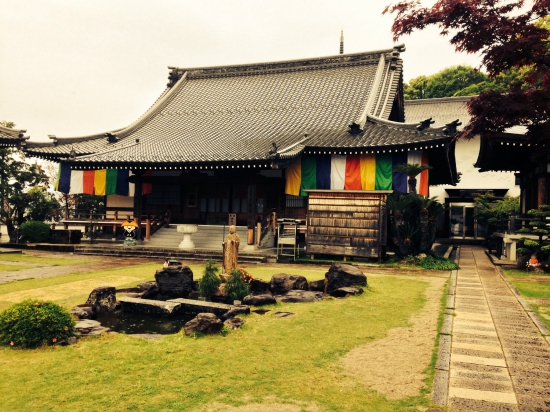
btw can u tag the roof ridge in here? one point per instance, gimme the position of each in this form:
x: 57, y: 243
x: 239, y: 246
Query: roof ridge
x: 283, y: 65
x: 439, y: 100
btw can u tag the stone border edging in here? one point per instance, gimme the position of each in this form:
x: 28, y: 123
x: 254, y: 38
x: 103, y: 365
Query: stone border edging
x: 440, y: 390
x: 543, y: 329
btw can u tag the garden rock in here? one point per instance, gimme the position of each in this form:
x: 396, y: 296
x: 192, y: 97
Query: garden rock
x: 259, y: 286
x: 298, y: 296
x: 283, y: 314
x: 65, y: 342
x: 236, y: 310
x: 148, y: 289
x: 283, y: 283
x: 342, y: 275
x: 234, y: 323
x: 203, y: 323
x: 259, y: 300
x: 343, y: 292
x: 176, y: 281
x: 102, y: 299
x: 84, y: 312
x: 317, y: 285
x: 89, y: 327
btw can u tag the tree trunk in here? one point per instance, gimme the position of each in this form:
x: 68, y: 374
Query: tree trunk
x: 412, y: 185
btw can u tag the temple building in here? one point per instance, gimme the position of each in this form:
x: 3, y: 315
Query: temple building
x: 252, y: 138
x: 12, y: 137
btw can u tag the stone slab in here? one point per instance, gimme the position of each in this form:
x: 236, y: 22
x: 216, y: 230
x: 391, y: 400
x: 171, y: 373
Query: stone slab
x: 155, y: 307
x: 472, y: 346
x: 440, y: 390
x: 193, y: 307
x: 477, y: 359
x: 488, y: 396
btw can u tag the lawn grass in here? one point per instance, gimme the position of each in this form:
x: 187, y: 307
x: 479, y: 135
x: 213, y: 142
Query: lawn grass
x: 289, y: 360
x: 44, y: 261
x: 535, y: 288
x: 11, y: 268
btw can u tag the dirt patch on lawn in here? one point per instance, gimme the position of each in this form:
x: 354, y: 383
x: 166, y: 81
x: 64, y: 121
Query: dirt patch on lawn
x: 394, y: 366
x: 269, y: 406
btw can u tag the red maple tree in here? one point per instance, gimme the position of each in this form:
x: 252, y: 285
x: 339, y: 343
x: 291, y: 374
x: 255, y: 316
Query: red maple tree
x: 506, y: 35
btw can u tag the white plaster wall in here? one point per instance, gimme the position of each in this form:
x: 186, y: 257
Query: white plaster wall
x: 466, y: 155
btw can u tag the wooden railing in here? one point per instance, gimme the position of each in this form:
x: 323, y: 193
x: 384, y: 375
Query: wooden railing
x: 150, y: 222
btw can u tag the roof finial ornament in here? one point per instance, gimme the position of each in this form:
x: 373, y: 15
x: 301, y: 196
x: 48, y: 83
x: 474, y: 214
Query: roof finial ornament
x: 424, y: 124
x: 72, y: 153
x: 342, y: 41
x: 451, y: 128
x: 273, y: 152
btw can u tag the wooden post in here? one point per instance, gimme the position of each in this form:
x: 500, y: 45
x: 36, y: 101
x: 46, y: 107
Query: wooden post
x: 541, y: 193
x: 138, y: 203
x: 148, y: 230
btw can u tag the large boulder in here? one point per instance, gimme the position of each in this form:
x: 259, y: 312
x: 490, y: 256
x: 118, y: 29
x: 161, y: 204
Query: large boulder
x: 259, y: 300
x: 283, y: 283
x: 175, y: 281
x: 317, y: 285
x: 341, y: 275
x: 148, y: 289
x: 102, y: 299
x: 203, y: 323
x: 259, y: 286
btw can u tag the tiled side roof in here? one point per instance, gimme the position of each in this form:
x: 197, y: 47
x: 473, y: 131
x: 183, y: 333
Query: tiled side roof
x: 442, y: 111
x: 11, y: 137
x: 235, y: 113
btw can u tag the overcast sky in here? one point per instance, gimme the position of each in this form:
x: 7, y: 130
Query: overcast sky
x: 74, y: 68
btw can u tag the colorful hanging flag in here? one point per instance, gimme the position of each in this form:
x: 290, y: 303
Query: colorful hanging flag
x: 98, y: 182
x: 354, y: 172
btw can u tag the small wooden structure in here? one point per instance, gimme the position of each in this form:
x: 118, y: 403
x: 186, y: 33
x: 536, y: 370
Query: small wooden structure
x: 287, y: 237
x: 347, y: 223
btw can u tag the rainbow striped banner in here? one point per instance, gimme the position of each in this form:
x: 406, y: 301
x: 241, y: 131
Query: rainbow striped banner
x: 354, y: 172
x: 98, y: 182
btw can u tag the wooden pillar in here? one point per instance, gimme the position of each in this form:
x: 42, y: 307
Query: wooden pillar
x: 148, y: 230
x: 541, y: 191
x: 251, y: 217
x: 138, y: 202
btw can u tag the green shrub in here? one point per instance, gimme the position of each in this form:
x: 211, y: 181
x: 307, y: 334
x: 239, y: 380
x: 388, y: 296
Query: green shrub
x: 237, y: 286
x: 33, y: 323
x: 434, y: 262
x: 34, y: 231
x: 210, y: 281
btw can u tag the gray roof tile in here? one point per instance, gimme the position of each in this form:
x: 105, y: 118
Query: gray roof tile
x: 442, y: 111
x: 234, y: 113
x: 11, y: 137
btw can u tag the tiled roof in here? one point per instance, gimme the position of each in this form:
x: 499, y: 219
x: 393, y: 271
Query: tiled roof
x: 236, y: 113
x: 11, y: 137
x: 442, y: 111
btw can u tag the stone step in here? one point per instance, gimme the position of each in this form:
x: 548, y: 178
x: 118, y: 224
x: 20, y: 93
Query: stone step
x: 161, y: 253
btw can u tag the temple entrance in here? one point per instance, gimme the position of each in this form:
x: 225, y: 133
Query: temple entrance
x: 463, y: 223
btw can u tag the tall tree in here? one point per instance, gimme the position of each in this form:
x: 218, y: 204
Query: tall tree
x: 17, y: 177
x: 506, y: 35
x: 451, y: 81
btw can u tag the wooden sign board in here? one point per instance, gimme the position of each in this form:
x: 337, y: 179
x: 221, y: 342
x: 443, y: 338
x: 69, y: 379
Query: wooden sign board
x: 347, y: 223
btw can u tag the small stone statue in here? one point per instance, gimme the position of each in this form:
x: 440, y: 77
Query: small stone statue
x: 231, y: 250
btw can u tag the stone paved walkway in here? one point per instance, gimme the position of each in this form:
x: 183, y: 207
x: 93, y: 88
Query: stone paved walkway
x: 499, y: 361
x: 39, y: 271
